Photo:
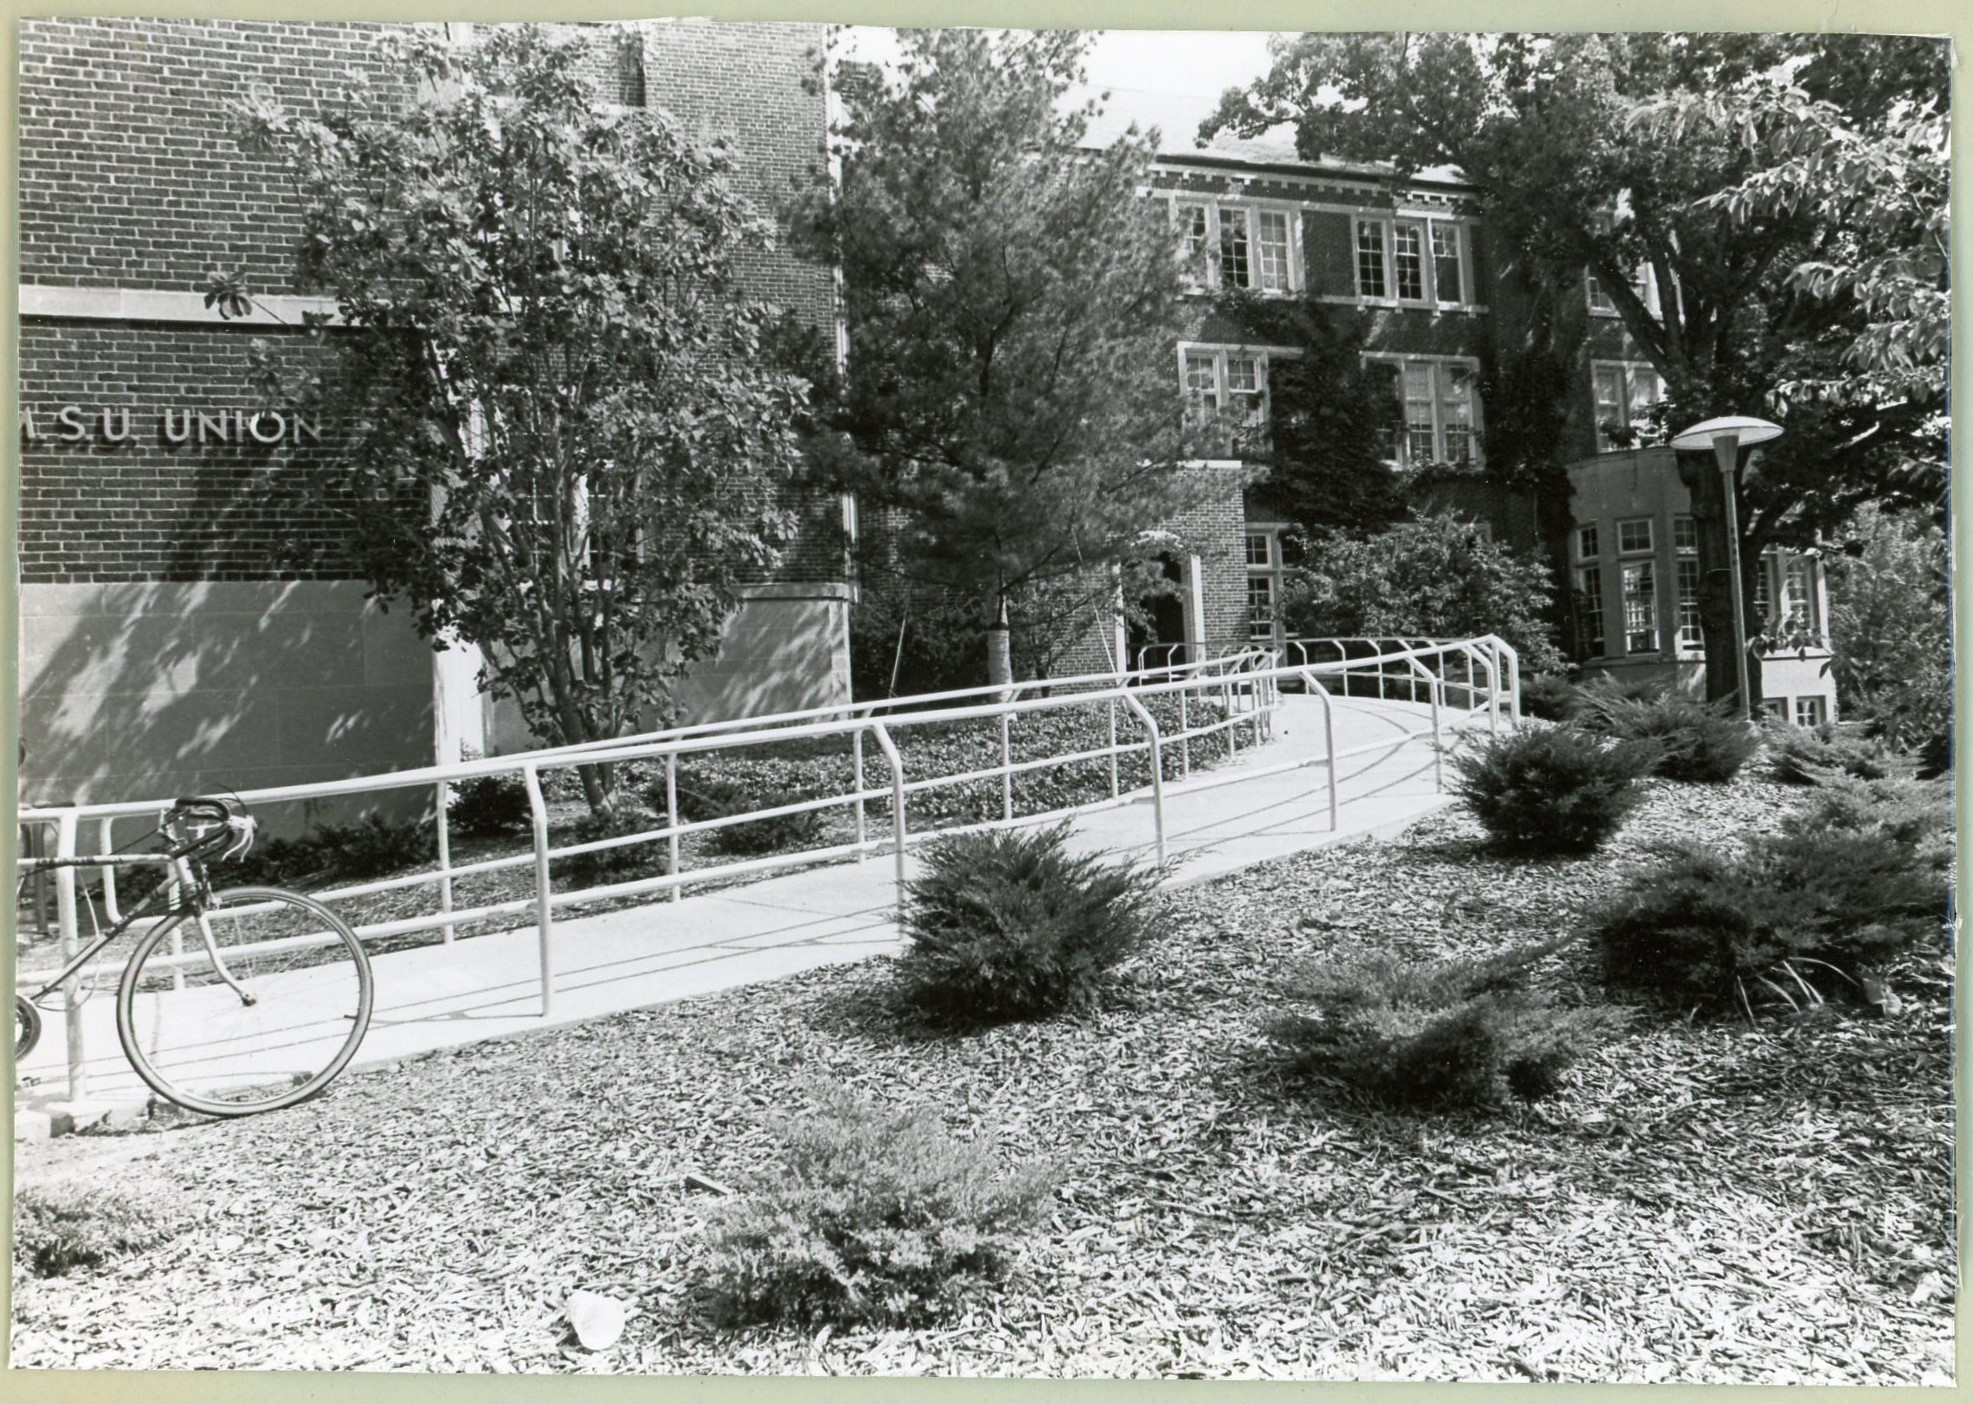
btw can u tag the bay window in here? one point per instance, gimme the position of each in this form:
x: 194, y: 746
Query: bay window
x: 1640, y: 608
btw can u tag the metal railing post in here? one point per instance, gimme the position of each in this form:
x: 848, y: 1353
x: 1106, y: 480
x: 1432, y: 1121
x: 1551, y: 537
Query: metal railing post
x: 442, y: 825
x: 897, y: 803
x: 856, y: 747
x: 543, y: 909
x: 1436, y: 691
x: 1184, y: 736
x: 1114, y: 789
x: 1157, y: 770
x: 1006, y: 766
x: 65, y: 826
x: 1328, y: 743
x: 1232, y: 731
x: 671, y: 818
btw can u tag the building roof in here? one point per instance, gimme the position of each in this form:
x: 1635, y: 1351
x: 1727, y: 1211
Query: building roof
x: 1176, y: 117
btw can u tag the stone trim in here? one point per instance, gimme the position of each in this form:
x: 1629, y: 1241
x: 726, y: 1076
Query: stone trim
x: 160, y: 305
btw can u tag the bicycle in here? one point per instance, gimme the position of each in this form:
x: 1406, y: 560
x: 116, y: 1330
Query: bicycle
x: 260, y: 1009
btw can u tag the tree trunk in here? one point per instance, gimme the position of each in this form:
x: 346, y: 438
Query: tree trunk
x: 1701, y: 475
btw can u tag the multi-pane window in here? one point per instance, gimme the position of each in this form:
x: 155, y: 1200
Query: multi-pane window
x: 1425, y: 260
x: 1235, y: 249
x: 1441, y: 412
x: 1685, y: 535
x: 1644, y: 282
x: 1763, y: 593
x: 1237, y: 246
x: 1690, y: 634
x: 1640, y: 608
x: 1226, y: 387
x: 1797, y: 598
x: 1625, y: 391
x: 1370, y: 258
x: 1633, y: 535
x: 1260, y: 607
x: 1809, y: 711
x: 1586, y: 543
x: 1274, y: 246
x: 1589, y: 611
x: 1257, y: 549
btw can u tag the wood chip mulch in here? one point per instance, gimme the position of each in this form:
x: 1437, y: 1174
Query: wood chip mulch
x: 1704, y: 1201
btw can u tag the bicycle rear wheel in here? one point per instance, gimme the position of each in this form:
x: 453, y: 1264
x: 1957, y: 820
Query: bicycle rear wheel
x: 27, y: 1028
x: 266, y: 1024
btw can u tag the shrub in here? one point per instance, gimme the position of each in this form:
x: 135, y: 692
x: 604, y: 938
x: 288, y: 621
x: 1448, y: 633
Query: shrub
x: 1549, y: 696
x: 58, y: 1227
x: 1550, y: 789
x: 604, y: 865
x: 1915, y: 813
x: 875, y: 1216
x: 1692, y: 740
x: 1007, y: 925
x: 1801, y: 756
x: 709, y: 797
x: 489, y: 806
x: 1778, y: 921
x: 372, y: 848
x: 1459, y: 1032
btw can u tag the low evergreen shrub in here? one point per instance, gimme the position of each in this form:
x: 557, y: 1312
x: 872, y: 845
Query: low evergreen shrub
x: 336, y: 853
x: 1549, y: 696
x: 1550, y: 789
x: 1461, y: 1032
x: 1799, y: 755
x: 606, y: 865
x: 1007, y: 925
x: 708, y: 797
x: 489, y: 806
x: 1693, y: 741
x: 1796, y: 917
x: 59, y: 1227
x: 872, y: 1216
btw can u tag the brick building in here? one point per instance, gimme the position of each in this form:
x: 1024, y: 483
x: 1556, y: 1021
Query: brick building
x: 186, y: 621
x: 1412, y: 256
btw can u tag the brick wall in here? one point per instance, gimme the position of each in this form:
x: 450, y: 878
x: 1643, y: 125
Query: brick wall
x: 131, y: 178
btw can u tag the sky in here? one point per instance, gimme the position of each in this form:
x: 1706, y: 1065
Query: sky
x: 1195, y: 63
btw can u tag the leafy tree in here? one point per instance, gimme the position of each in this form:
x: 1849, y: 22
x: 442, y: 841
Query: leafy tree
x: 1330, y: 416
x: 562, y: 446
x: 1012, y: 306
x: 1433, y: 577
x: 1563, y: 136
x: 1890, y: 631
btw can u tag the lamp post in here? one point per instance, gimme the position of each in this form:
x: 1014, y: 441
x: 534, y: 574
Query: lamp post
x: 1726, y: 437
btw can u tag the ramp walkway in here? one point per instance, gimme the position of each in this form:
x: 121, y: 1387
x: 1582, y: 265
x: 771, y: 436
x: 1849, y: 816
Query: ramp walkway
x: 435, y: 997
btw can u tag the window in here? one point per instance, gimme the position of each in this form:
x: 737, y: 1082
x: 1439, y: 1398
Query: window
x: 1237, y: 246
x: 1763, y: 593
x: 1689, y: 633
x: 1589, y: 611
x: 1441, y: 412
x: 1685, y: 536
x: 1226, y: 387
x: 1586, y: 543
x: 1633, y: 536
x: 1809, y: 711
x: 1425, y: 260
x: 1369, y: 258
x: 1624, y: 390
x: 1644, y: 282
x: 1257, y: 549
x: 1640, y: 608
x: 1260, y: 607
x: 1797, y: 598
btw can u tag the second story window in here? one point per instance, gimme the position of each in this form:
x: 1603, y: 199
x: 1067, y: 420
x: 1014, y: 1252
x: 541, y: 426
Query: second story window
x: 1586, y: 543
x: 1229, y: 245
x: 1625, y: 390
x: 1226, y: 387
x: 1441, y: 411
x: 1634, y: 536
x: 1419, y: 261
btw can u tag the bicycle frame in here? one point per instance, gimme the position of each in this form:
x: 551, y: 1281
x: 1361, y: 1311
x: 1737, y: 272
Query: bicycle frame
x: 181, y: 895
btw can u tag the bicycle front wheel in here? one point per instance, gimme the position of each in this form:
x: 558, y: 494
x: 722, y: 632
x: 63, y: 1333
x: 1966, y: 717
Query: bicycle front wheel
x: 255, y: 1003
x: 27, y: 1028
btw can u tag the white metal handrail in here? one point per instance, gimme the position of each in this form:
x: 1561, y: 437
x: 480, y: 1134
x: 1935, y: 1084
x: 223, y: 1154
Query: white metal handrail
x: 1232, y: 696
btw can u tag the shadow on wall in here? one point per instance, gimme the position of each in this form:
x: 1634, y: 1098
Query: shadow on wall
x: 143, y: 691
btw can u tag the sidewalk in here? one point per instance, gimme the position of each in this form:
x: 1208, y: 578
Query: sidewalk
x: 489, y: 987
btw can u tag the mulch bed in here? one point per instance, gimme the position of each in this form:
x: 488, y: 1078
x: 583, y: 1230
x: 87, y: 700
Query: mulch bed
x: 1704, y: 1201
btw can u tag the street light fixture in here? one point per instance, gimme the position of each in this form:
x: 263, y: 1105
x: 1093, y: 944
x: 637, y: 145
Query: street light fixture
x: 1726, y: 437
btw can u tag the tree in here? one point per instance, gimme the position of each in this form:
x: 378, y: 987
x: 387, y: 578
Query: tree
x: 1430, y: 577
x: 1331, y: 416
x: 1890, y: 631
x: 1013, y: 304
x: 562, y: 446
x: 1561, y: 135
